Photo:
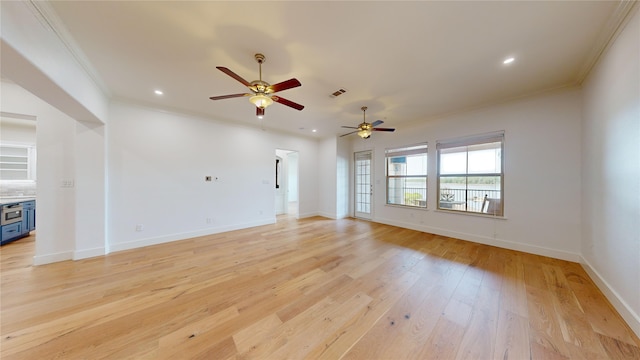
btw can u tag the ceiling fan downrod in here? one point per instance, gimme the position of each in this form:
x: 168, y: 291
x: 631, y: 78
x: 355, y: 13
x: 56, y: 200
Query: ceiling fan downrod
x: 260, y: 59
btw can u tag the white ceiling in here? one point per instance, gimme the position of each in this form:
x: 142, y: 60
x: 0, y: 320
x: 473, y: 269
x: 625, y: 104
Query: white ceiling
x: 406, y: 61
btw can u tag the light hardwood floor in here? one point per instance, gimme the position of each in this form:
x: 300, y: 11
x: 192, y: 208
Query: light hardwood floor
x: 312, y: 288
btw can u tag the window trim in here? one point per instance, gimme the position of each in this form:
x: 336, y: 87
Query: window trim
x: 498, y: 136
x: 407, y: 150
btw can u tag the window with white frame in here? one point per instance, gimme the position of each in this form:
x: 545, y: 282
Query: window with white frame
x: 407, y: 175
x: 471, y: 174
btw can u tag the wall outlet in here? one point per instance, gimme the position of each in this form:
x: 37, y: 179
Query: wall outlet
x: 66, y: 183
x: 139, y: 227
x: 209, y: 220
x: 207, y: 178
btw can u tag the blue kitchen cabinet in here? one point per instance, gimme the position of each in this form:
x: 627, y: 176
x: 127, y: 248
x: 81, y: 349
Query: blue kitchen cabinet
x: 20, y: 229
x: 28, y: 216
x: 11, y: 232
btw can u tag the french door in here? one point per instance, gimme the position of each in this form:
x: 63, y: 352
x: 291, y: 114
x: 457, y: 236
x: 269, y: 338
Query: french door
x: 362, y: 185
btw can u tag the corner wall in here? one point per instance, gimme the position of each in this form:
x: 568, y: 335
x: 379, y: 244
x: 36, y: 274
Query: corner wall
x: 611, y: 173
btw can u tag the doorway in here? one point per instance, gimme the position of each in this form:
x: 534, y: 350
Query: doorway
x: 286, y: 177
x: 363, y: 188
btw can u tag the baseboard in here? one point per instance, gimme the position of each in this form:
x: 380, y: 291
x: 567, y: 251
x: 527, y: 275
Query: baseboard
x: 328, y: 215
x: 89, y: 253
x: 185, y: 235
x: 307, y: 215
x: 51, y: 258
x: 501, y: 243
x: 627, y: 313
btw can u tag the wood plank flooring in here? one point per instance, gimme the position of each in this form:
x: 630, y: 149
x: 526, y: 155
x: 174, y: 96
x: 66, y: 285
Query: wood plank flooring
x: 307, y: 289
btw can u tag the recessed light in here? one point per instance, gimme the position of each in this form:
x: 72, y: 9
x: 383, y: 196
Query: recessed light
x: 314, y: 130
x: 158, y: 92
x: 508, y: 60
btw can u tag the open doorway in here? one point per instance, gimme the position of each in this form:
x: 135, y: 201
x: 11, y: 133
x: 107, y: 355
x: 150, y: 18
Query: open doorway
x: 18, y: 177
x: 286, y: 189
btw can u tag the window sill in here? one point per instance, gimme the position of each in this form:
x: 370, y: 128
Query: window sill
x: 408, y: 207
x: 486, y: 216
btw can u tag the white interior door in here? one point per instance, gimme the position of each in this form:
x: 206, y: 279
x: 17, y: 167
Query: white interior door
x: 363, y: 187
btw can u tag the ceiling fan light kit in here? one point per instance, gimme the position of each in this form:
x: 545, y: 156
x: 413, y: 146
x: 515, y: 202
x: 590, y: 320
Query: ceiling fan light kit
x: 261, y: 91
x: 261, y: 101
x: 365, y: 133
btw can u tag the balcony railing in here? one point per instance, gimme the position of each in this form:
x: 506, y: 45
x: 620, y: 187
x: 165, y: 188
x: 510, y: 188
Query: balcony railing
x: 465, y: 199
x: 407, y: 196
x: 452, y: 199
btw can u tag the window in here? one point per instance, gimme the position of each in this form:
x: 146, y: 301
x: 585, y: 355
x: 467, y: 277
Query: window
x: 471, y: 174
x: 407, y: 176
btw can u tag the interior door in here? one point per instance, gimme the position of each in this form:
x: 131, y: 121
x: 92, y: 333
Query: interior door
x: 363, y: 188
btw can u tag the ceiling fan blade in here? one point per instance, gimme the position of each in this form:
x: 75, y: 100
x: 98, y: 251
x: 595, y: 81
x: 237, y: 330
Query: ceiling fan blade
x: 288, y: 103
x: 285, y: 85
x: 350, y: 127
x: 384, y: 129
x: 376, y: 123
x: 228, y: 96
x: 233, y: 75
x: 353, y: 132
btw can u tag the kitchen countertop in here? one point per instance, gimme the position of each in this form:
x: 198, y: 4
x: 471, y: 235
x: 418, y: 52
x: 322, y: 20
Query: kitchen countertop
x: 15, y: 199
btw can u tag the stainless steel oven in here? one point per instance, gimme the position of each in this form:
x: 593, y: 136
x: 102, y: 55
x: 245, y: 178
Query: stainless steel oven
x: 11, y: 214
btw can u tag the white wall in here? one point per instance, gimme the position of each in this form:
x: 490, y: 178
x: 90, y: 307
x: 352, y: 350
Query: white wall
x: 90, y: 185
x: 327, y: 173
x: 611, y: 173
x: 292, y: 174
x: 542, y: 175
x: 343, y: 156
x: 157, y: 166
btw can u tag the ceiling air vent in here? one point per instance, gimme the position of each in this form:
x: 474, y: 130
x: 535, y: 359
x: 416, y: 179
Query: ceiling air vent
x: 338, y: 92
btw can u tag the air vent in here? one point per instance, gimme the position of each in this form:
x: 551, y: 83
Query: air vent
x: 338, y: 93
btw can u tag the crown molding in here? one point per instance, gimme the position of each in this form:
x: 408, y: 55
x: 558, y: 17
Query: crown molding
x: 613, y: 28
x: 47, y: 16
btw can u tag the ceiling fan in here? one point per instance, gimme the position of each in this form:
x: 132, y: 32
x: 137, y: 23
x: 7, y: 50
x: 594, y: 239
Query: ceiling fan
x: 261, y: 92
x: 364, y: 129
